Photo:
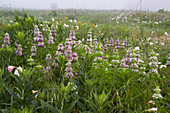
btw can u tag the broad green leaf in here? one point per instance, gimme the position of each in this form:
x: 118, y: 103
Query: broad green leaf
x: 5, y: 111
x: 28, y: 86
x: 92, y: 104
x: 81, y: 106
x: 17, y: 78
x: 69, y: 107
x: 51, y: 108
x: 77, y: 83
x: 12, y: 93
x: 31, y: 98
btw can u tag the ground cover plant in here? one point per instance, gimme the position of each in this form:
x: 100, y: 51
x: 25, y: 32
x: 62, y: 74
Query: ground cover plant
x: 73, y: 61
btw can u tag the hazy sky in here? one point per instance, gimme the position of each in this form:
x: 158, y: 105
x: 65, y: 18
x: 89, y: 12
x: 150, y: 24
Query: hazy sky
x: 89, y: 4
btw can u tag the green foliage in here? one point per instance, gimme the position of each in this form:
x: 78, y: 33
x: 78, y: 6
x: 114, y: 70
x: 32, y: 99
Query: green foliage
x: 53, y: 13
x: 161, y: 11
x: 22, y: 94
x: 99, y: 84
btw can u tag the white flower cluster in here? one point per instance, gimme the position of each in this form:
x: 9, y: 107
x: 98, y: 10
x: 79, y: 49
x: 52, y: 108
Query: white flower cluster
x: 45, y: 26
x: 74, y: 87
x: 157, y: 94
x: 18, y: 69
x: 116, y: 60
x: 154, y: 62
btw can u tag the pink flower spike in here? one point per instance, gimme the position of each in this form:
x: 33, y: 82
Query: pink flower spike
x: 10, y: 68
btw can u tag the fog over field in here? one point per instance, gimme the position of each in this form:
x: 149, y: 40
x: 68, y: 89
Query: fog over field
x: 151, y: 5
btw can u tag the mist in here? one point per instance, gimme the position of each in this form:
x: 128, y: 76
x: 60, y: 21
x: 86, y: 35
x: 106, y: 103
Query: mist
x: 151, y: 5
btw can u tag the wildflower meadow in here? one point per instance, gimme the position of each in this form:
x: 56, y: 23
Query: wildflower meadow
x: 84, y: 61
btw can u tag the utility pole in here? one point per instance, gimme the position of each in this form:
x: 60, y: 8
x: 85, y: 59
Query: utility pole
x: 140, y: 5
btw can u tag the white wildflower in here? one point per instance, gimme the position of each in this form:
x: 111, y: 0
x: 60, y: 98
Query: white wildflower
x: 71, y: 20
x: 77, y: 27
x: 65, y: 25
x: 156, y: 96
x: 152, y: 109
x: 137, y: 49
x: 162, y: 44
x: 17, y: 71
x: 151, y: 43
x: 163, y: 66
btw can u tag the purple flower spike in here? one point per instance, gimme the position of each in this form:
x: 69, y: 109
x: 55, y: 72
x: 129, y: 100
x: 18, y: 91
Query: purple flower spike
x: 50, y: 39
x: 48, y: 57
x: 40, y: 44
x: 69, y: 75
x: 6, y: 39
x: 19, y: 50
x: 168, y: 61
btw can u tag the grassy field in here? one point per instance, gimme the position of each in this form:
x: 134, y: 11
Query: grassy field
x: 84, y: 61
